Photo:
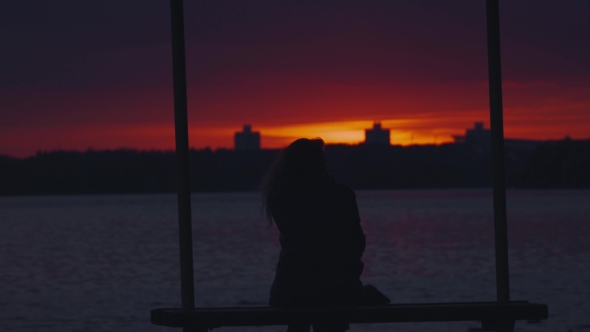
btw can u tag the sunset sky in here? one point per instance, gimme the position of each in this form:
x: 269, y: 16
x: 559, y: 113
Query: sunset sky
x: 97, y: 74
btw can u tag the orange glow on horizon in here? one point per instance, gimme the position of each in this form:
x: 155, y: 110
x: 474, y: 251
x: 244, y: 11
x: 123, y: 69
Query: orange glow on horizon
x: 428, y: 129
x: 353, y: 132
x: 410, y: 131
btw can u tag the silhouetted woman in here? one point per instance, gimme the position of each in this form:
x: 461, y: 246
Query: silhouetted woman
x: 320, y: 233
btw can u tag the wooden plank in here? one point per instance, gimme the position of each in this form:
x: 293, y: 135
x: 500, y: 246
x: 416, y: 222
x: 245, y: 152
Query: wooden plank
x: 435, y: 312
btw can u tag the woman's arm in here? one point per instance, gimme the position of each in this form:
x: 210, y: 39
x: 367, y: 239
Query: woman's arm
x: 357, y: 228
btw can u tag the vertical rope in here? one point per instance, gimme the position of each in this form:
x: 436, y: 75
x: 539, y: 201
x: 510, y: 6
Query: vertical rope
x: 181, y: 134
x: 497, y: 128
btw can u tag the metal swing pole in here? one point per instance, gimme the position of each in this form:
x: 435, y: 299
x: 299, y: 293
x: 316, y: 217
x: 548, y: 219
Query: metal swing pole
x: 181, y: 134
x: 497, y: 129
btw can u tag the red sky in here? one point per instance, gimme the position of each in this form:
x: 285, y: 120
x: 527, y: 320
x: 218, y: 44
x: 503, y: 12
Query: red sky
x: 99, y: 75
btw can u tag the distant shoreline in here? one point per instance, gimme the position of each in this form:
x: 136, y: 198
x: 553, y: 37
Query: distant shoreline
x: 548, y: 165
x: 256, y: 193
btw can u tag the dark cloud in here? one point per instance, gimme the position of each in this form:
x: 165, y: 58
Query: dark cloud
x: 90, y: 44
x: 78, y: 44
x: 81, y: 59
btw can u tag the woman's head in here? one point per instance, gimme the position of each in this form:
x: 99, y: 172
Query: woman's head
x: 304, y: 158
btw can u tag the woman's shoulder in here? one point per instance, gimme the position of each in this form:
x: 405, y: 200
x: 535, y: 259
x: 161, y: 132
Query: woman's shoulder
x: 313, y: 189
x: 344, y: 190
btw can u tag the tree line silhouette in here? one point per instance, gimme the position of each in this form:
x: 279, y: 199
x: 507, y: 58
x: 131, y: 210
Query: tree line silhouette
x: 556, y: 164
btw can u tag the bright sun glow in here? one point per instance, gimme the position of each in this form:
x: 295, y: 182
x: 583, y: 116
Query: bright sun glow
x: 402, y: 131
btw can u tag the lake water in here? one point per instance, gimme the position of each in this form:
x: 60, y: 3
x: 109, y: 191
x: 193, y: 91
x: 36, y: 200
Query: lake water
x: 100, y: 263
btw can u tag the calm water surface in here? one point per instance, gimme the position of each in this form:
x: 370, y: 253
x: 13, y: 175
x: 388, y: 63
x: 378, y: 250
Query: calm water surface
x: 100, y: 263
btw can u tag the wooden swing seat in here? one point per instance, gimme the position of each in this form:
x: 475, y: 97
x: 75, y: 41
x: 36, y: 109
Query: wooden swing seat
x: 494, y: 316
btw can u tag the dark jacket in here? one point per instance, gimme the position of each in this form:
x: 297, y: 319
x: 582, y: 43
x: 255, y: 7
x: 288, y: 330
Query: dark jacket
x: 321, y: 244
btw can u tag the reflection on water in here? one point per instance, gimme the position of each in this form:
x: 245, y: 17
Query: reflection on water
x: 100, y: 263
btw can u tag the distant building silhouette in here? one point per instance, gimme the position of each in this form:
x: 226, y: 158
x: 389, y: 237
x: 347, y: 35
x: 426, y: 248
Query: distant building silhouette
x: 247, y: 139
x: 480, y: 140
x: 377, y: 135
x: 476, y: 135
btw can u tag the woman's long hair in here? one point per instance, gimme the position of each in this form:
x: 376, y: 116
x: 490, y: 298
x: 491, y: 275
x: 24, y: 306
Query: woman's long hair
x: 303, y: 158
